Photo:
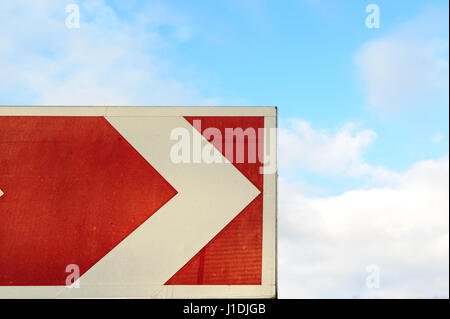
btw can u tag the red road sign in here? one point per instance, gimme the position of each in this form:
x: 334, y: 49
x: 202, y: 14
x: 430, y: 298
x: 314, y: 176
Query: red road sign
x: 96, y: 188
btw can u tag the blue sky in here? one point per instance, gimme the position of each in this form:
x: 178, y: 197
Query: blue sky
x: 359, y: 109
x: 299, y: 56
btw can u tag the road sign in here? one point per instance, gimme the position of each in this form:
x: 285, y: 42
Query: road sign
x: 152, y: 202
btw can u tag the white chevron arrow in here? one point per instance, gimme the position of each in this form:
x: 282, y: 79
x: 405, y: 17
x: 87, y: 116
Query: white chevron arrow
x: 209, y: 197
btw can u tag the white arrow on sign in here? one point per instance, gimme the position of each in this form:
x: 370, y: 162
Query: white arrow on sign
x: 143, y: 262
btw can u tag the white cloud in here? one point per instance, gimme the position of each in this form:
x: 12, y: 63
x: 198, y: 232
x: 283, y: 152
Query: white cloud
x: 326, y: 244
x: 408, y: 67
x: 110, y: 60
x: 303, y: 147
x: 437, y: 138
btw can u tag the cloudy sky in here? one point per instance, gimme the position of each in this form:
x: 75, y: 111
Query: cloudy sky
x: 364, y: 171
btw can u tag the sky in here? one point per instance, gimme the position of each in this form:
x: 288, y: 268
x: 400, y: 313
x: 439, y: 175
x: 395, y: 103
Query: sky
x: 363, y: 114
